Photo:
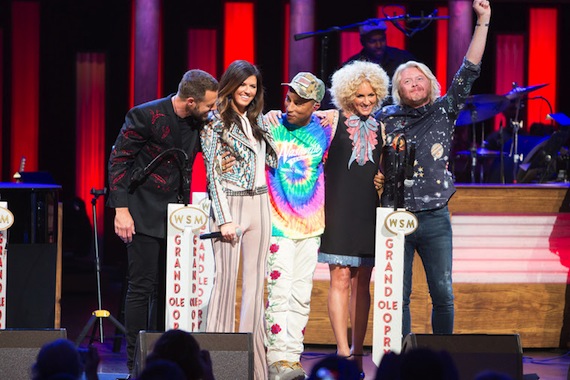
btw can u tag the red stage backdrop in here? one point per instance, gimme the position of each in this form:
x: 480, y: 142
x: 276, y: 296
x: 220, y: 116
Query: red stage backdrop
x: 542, y: 64
x: 25, y: 79
x: 146, y: 51
x: 509, y: 67
x: 90, y: 130
x: 394, y: 37
x: 441, y: 49
x: 201, y: 42
x: 286, y: 45
x: 239, y: 32
x: 1, y: 92
x: 202, y: 50
x: 349, y: 44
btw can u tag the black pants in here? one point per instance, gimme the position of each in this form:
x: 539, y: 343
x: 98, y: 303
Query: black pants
x: 144, y: 302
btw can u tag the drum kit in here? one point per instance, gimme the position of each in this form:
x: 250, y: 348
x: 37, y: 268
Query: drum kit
x: 479, y: 108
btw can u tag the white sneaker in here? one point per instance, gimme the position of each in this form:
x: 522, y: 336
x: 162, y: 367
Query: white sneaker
x: 284, y: 370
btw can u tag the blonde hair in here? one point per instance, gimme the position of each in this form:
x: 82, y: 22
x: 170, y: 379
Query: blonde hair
x: 435, y: 90
x: 347, y: 79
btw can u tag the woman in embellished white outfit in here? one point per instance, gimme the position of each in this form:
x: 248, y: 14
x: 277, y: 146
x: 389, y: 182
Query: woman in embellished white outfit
x: 240, y: 204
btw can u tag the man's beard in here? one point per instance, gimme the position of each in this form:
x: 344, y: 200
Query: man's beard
x: 200, y: 117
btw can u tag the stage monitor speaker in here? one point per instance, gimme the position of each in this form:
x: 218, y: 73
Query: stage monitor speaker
x: 19, y: 349
x: 231, y: 353
x: 31, y: 286
x: 474, y: 353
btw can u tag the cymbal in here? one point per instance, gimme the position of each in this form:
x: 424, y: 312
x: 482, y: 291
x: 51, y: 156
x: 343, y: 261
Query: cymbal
x: 519, y: 92
x: 481, y: 107
x: 481, y: 152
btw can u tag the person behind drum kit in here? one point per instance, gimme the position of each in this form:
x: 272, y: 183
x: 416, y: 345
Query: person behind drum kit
x: 426, y: 121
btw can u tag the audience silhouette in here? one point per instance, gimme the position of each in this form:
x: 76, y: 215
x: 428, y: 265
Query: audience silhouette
x: 335, y: 367
x: 417, y: 363
x: 181, y: 348
x: 60, y: 359
x: 160, y: 369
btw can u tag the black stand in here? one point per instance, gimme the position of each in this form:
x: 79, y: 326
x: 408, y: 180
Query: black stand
x: 473, y: 149
x: 473, y: 155
x: 501, y: 151
x: 517, y: 158
x: 517, y: 125
x: 423, y: 21
x: 98, y: 314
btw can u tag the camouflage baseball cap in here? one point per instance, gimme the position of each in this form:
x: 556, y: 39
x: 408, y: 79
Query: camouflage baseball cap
x: 307, y: 86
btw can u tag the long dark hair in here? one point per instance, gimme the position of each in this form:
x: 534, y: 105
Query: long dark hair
x: 236, y: 73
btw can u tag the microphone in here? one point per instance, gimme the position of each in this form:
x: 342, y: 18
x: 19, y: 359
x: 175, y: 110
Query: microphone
x: 102, y: 191
x: 399, y: 171
x: 139, y: 173
x: 218, y: 234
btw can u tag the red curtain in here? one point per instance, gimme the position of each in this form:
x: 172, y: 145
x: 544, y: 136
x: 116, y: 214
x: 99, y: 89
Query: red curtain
x: 349, y: 45
x: 509, y: 67
x: 160, y: 55
x: 25, y: 79
x: 204, y: 42
x: 239, y: 32
x: 202, y: 50
x: 441, y: 49
x: 286, y: 45
x: 90, y: 129
x: 132, y: 55
x: 146, y: 51
x: 1, y: 97
x: 394, y: 37
x: 542, y: 58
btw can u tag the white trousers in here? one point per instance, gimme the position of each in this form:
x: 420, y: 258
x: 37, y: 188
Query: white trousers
x: 291, y: 265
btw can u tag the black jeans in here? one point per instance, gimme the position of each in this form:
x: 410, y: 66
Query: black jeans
x: 144, y: 302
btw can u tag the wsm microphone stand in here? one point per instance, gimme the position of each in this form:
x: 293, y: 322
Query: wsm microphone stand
x: 397, y: 170
x: 100, y: 313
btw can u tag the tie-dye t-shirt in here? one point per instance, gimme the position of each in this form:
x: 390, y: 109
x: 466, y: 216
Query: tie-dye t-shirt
x: 296, y: 187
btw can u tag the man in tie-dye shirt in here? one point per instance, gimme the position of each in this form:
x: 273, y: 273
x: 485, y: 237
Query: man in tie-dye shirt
x: 297, y: 195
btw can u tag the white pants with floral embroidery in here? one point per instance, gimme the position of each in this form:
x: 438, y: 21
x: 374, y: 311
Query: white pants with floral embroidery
x: 290, y: 265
